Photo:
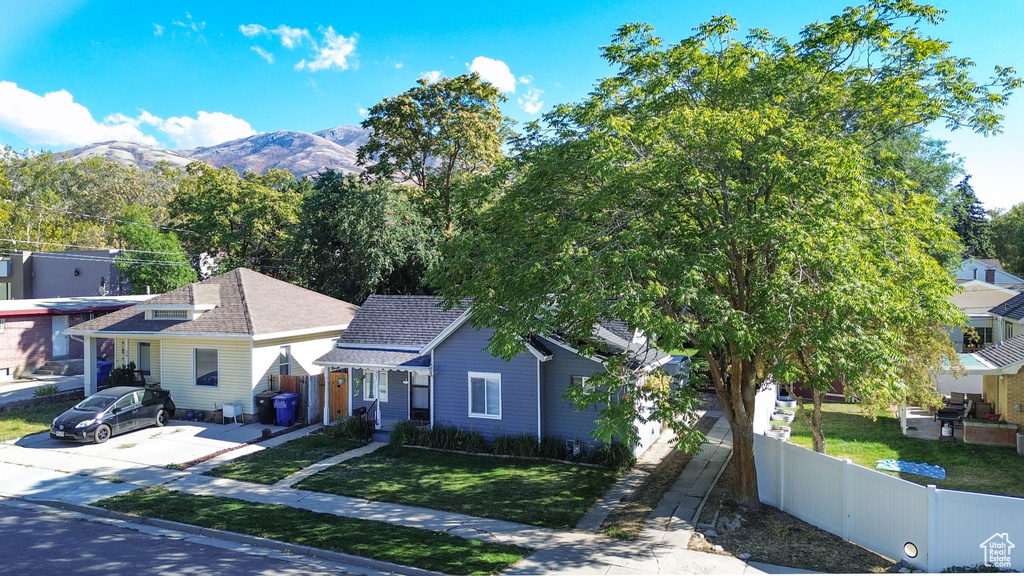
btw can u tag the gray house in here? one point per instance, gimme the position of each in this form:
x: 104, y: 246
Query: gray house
x: 406, y: 358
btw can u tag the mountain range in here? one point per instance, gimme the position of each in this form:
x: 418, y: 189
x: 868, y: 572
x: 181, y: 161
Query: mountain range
x: 301, y: 153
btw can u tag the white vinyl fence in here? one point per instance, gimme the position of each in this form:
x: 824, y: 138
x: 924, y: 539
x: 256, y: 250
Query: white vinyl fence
x: 884, y: 513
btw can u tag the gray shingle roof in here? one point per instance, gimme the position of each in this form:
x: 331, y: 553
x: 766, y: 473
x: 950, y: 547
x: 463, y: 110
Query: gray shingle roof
x: 247, y: 303
x: 1012, y: 308
x: 399, y: 321
x: 373, y: 357
x: 1009, y: 352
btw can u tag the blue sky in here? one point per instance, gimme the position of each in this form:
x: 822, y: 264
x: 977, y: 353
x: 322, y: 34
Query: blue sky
x: 185, y: 74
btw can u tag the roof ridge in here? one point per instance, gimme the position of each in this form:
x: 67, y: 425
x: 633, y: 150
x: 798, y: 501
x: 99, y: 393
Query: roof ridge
x: 244, y: 300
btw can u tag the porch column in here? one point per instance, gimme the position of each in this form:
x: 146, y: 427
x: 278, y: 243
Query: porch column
x: 327, y: 395
x: 89, y: 377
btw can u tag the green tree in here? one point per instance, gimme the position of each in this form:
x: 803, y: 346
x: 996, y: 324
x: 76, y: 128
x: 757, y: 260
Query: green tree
x: 970, y: 221
x: 711, y: 194
x: 1008, y: 238
x: 436, y: 135
x: 355, y: 239
x: 240, y: 221
x: 152, y: 260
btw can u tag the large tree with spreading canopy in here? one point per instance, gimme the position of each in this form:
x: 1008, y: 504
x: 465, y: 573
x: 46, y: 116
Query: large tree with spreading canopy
x: 731, y: 195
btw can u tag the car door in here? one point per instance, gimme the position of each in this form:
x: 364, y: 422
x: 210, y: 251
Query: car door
x: 125, y: 412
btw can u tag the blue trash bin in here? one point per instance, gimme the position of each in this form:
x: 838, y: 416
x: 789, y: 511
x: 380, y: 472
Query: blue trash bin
x: 285, y: 404
x: 103, y: 369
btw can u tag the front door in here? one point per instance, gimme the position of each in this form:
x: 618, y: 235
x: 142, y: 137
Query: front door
x: 338, y: 402
x: 60, y: 339
x: 419, y: 397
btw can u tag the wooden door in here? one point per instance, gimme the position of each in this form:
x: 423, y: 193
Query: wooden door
x: 338, y: 395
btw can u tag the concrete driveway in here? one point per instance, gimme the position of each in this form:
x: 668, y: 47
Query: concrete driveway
x: 176, y: 443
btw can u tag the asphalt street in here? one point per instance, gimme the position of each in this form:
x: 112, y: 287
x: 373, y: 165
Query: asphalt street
x: 43, y: 542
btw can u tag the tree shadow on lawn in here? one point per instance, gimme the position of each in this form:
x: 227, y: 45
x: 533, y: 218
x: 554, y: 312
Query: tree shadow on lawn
x: 969, y: 467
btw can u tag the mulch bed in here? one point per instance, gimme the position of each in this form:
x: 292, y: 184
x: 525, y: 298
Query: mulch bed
x: 772, y: 536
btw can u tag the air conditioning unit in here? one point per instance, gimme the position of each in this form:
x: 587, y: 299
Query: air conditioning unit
x: 573, y: 447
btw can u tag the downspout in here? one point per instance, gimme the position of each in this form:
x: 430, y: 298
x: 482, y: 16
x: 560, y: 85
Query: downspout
x: 431, y: 389
x: 538, y: 401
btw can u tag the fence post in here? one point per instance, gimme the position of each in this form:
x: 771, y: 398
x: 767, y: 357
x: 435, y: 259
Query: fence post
x: 781, y: 444
x: 847, y: 497
x: 933, y: 530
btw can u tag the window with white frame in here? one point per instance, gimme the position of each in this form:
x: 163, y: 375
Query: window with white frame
x: 582, y: 382
x: 1008, y: 331
x: 369, y: 390
x: 484, y: 395
x: 206, y: 370
x: 284, y: 362
x: 144, y: 363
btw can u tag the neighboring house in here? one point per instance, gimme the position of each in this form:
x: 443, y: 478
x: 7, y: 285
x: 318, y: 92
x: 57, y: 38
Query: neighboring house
x: 988, y: 270
x: 1009, y: 319
x: 409, y: 359
x: 26, y: 274
x: 218, y: 341
x: 977, y: 299
x: 1001, y: 368
x: 34, y: 332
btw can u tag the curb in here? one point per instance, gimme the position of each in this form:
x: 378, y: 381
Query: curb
x: 246, y: 539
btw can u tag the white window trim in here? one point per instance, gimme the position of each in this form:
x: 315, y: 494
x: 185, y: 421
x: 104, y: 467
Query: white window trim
x: 368, y: 386
x: 583, y: 382
x: 138, y: 353
x: 469, y: 397
x: 195, y: 376
x: 285, y: 350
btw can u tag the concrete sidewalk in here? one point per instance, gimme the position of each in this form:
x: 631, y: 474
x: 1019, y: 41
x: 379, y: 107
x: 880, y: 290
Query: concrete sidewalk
x: 24, y: 390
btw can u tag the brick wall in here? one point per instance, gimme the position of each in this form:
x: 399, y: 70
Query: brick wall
x: 1005, y: 392
x: 26, y: 343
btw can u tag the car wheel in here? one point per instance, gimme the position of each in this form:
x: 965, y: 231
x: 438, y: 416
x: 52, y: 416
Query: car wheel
x: 102, y: 434
x: 162, y: 418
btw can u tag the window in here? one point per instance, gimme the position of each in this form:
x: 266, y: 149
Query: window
x: 125, y: 402
x: 581, y: 382
x: 1007, y: 331
x: 3, y: 325
x: 170, y: 314
x: 143, y: 363
x: 369, y: 390
x: 205, y: 363
x: 284, y: 361
x: 484, y: 395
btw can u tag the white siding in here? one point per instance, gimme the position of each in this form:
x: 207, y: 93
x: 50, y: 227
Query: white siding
x: 304, y: 351
x: 234, y: 367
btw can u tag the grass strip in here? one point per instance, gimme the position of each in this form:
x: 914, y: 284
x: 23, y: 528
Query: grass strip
x: 969, y: 467
x: 274, y: 464
x: 426, y: 549
x: 536, y: 492
x: 24, y: 421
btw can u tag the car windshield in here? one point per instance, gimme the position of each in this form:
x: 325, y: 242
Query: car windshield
x: 95, y: 403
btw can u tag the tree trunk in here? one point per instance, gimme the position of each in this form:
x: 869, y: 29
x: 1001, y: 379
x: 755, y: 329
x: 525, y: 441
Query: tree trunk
x: 745, y: 489
x: 736, y: 389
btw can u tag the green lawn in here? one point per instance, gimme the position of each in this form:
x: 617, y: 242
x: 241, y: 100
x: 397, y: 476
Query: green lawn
x: 415, y: 547
x: 273, y: 464
x: 25, y: 421
x: 528, y: 491
x: 850, y: 434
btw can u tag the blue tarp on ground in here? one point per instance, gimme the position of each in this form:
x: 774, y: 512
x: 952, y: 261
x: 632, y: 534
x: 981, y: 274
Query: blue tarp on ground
x: 919, y: 468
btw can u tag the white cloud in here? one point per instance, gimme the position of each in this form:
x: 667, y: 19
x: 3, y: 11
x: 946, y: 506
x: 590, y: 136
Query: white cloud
x: 264, y: 54
x: 525, y: 79
x: 494, y: 71
x: 292, y: 37
x: 208, y: 129
x: 399, y: 65
x: 363, y: 112
x: 531, y: 102
x: 56, y: 119
x: 189, y: 23
x: 158, y: 30
x: 431, y: 76
x: 251, y: 30
x: 333, y: 51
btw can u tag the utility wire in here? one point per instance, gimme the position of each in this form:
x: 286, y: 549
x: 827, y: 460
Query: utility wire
x: 106, y: 218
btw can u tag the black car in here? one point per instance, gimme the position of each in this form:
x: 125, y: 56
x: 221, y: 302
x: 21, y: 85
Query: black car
x: 113, y: 411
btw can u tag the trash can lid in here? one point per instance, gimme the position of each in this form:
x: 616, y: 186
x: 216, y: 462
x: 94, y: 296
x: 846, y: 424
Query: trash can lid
x: 287, y: 395
x: 268, y: 394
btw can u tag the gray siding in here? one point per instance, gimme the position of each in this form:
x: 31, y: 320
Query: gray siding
x: 464, y: 352
x: 397, y: 406
x: 561, y: 418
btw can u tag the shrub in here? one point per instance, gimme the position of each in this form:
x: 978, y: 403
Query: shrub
x: 48, y: 390
x: 120, y: 376
x: 615, y: 456
x: 354, y: 427
x: 475, y: 442
x: 522, y: 445
x: 403, y: 433
x: 553, y: 448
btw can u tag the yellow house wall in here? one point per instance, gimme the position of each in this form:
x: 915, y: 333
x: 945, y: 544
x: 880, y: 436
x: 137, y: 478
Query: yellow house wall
x: 304, y: 352
x: 1005, y: 392
x: 173, y: 365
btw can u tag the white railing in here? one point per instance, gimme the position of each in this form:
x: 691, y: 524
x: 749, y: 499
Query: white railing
x: 884, y: 513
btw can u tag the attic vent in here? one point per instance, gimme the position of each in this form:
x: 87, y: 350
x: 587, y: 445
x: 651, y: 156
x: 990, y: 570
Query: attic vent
x: 171, y: 314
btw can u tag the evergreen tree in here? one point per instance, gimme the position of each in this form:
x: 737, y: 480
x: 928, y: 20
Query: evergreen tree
x: 970, y: 221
